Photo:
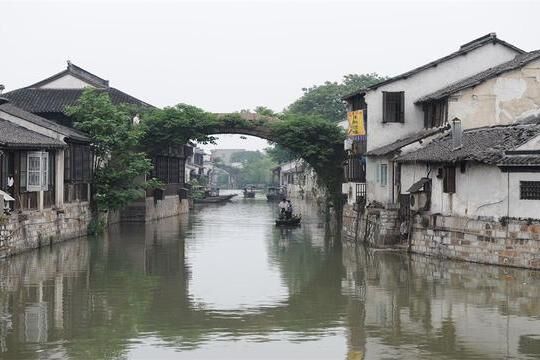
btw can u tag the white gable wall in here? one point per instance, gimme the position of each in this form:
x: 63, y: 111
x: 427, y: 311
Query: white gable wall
x: 510, y: 97
x: 415, y: 87
x: 66, y: 82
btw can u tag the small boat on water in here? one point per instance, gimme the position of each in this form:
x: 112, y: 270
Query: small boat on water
x: 209, y: 196
x: 214, y: 199
x: 275, y: 193
x: 292, y: 221
x: 249, y: 192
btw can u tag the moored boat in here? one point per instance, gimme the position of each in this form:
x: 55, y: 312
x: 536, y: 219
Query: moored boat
x: 275, y: 193
x: 214, y: 199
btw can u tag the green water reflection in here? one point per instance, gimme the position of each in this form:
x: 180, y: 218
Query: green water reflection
x: 225, y: 283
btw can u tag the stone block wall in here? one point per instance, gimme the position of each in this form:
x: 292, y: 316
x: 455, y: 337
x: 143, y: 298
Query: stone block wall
x: 34, y: 229
x: 150, y: 209
x: 376, y: 227
x: 516, y: 243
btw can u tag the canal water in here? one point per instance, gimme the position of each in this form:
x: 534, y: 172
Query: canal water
x: 225, y: 283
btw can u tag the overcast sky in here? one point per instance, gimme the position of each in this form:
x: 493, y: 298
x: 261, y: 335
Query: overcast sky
x: 229, y: 55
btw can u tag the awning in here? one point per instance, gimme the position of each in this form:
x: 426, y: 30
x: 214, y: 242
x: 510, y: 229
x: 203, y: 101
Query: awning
x: 419, y: 185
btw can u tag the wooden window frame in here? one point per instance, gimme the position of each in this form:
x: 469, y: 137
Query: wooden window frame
x: 393, y: 107
x: 435, y: 113
x: 449, y: 179
x: 383, y: 175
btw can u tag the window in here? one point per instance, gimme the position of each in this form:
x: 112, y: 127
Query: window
x: 529, y: 190
x: 435, y: 113
x: 170, y: 170
x: 393, y: 107
x: 383, y: 174
x: 449, y: 179
x: 78, y: 163
x: 37, y: 171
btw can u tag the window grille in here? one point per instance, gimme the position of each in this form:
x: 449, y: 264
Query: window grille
x: 529, y: 190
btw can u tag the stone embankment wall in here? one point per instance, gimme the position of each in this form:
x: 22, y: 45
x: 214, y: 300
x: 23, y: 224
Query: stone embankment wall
x: 375, y: 227
x: 150, y: 209
x: 516, y: 243
x: 34, y: 229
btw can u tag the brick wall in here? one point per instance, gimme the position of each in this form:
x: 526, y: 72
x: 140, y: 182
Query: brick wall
x: 516, y: 243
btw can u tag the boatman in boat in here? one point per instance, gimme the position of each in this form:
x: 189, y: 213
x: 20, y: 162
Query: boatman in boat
x: 289, y: 210
x: 283, y: 205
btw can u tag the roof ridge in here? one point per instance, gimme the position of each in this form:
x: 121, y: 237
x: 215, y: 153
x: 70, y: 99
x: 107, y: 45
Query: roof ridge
x: 470, y: 46
x: 75, y: 71
x: 481, y: 76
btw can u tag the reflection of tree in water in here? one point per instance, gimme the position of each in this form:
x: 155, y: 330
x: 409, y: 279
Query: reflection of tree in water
x: 90, y: 299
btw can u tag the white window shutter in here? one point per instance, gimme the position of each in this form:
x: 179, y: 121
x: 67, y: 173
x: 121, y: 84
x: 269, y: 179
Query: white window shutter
x: 37, y: 171
x: 44, y: 171
x: 33, y: 171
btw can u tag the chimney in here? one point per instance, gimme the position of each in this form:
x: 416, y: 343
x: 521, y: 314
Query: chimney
x: 2, y: 88
x: 457, y: 134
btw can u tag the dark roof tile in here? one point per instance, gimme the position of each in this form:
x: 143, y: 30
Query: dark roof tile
x: 486, y: 145
x: 398, y: 144
x: 56, y: 100
x: 15, y: 136
x: 38, y: 120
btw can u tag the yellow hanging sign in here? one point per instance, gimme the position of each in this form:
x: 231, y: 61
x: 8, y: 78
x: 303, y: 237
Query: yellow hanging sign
x: 356, y: 123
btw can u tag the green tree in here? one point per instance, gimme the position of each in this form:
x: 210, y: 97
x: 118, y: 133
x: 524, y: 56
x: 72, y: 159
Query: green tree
x: 325, y: 100
x: 280, y: 154
x: 246, y: 156
x: 317, y: 141
x: 176, y: 125
x: 118, y: 160
x: 263, y: 110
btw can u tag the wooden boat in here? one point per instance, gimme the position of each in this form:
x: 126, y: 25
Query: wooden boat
x: 293, y: 221
x: 214, y: 199
x: 275, y: 194
x: 249, y: 193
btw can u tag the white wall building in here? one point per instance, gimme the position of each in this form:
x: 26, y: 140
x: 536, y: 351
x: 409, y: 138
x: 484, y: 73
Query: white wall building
x: 495, y: 173
x: 393, y: 115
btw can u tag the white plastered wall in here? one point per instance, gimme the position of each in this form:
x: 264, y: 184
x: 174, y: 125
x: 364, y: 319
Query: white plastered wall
x: 66, y: 82
x: 510, y: 97
x: 483, y: 190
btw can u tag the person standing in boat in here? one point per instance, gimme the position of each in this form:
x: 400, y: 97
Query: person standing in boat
x: 283, y: 205
x: 289, y: 210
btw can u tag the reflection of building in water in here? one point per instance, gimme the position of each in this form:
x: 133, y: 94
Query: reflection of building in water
x: 33, y: 289
x: 466, y: 310
x: 35, y: 323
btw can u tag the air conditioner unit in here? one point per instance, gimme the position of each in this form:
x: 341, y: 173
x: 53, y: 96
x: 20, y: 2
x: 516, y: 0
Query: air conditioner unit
x: 420, y: 195
x: 420, y: 201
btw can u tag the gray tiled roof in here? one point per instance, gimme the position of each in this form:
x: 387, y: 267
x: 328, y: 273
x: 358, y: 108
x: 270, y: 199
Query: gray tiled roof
x: 56, y: 100
x: 38, y: 120
x: 464, y: 49
x: 15, y: 136
x: 516, y: 63
x: 520, y: 160
x: 487, y: 145
x: 398, y: 144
